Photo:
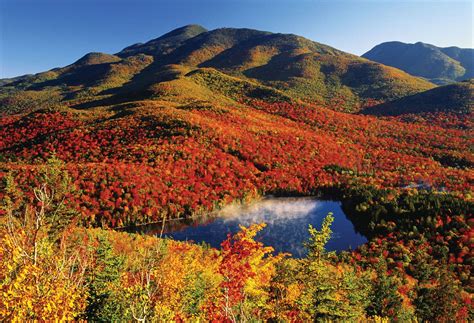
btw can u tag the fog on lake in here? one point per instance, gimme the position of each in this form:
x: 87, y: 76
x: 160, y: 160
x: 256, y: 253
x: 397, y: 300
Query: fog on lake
x: 287, y: 222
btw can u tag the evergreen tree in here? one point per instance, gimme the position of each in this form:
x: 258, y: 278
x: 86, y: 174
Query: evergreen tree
x: 439, y: 303
x: 332, y: 292
x: 106, y: 271
x: 385, y: 300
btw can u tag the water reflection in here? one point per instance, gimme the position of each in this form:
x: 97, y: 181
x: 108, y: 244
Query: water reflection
x: 287, y: 224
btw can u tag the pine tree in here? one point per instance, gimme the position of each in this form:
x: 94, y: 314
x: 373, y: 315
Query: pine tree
x: 385, y: 300
x: 101, y: 306
x: 331, y: 292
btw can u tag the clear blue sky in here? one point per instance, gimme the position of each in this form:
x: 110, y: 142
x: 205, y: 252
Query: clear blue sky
x: 37, y: 35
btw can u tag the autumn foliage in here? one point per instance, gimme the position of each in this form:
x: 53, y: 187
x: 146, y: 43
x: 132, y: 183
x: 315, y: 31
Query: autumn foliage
x: 408, y: 186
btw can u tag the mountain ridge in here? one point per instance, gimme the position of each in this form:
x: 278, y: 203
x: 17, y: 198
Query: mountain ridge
x: 299, y: 68
x: 440, y: 65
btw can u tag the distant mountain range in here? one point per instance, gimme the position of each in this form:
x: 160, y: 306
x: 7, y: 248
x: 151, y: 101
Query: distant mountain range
x: 436, y: 64
x: 224, y: 66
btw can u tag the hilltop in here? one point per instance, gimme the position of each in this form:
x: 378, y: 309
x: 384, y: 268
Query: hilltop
x: 225, y: 65
x: 438, y: 65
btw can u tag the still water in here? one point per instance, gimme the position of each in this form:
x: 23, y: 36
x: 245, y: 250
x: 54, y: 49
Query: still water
x: 287, y: 222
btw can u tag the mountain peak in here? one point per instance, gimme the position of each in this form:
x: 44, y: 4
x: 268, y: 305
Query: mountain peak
x: 164, y: 43
x: 191, y: 29
x: 437, y: 64
x: 94, y: 58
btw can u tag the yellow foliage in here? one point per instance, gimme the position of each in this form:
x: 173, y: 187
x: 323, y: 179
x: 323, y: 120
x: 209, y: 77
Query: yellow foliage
x: 32, y: 292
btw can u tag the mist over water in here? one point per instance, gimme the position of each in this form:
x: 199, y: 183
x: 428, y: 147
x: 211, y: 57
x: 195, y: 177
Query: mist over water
x: 270, y: 211
x: 287, y: 222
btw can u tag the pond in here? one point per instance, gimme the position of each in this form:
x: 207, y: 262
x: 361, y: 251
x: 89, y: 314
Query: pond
x: 287, y: 222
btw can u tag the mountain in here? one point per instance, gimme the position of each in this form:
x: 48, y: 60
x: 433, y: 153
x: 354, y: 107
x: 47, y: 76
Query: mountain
x: 455, y: 98
x: 225, y: 65
x: 439, y: 65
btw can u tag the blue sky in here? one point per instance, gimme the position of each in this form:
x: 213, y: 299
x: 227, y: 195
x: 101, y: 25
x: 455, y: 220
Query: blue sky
x: 37, y: 35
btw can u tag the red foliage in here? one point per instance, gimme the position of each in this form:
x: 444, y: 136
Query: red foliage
x: 142, y: 166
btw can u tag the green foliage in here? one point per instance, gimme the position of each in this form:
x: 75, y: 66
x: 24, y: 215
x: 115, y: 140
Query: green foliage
x: 101, y: 305
x: 195, y: 294
x: 436, y: 303
x: 332, y: 168
x: 18, y: 101
x: 385, y: 301
x: 318, y: 240
x: 236, y: 88
x: 331, y: 292
x: 52, y: 212
x: 338, y: 295
x: 165, y: 43
x: 53, y: 193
